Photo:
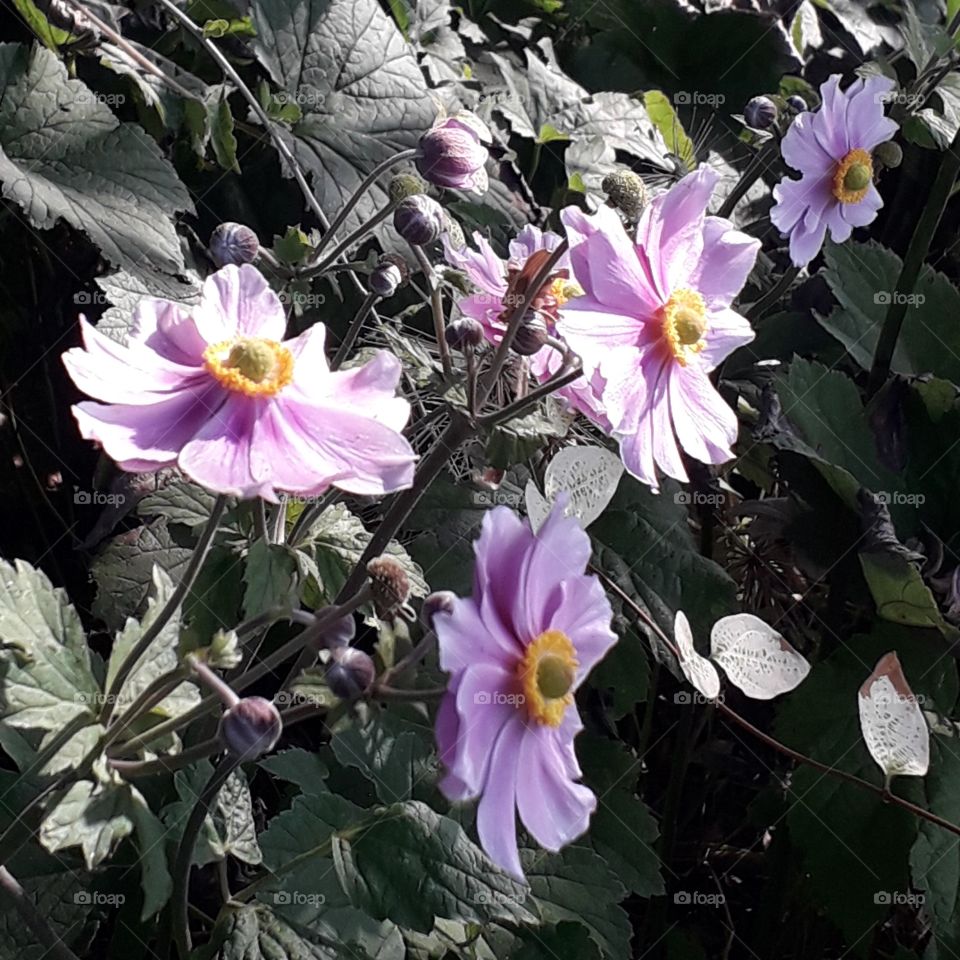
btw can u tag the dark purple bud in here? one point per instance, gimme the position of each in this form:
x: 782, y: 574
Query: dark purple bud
x: 419, y: 220
x: 760, y: 113
x: 350, y: 672
x: 389, y: 583
x: 443, y: 601
x: 250, y: 728
x: 385, y: 278
x: 452, y: 153
x: 462, y: 333
x: 531, y: 336
x: 796, y: 103
x: 233, y: 243
x: 340, y: 633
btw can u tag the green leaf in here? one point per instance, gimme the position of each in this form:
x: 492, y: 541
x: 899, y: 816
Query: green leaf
x: 160, y: 658
x: 899, y: 591
x: 565, y: 941
x: 374, y: 105
x: 52, y: 37
x: 299, y: 766
x: 393, y: 753
x: 125, y: 289
x: 270, y: 578
x: 409, y: 864
x: 47, y: 677
x: 516, y: 440
x: 178, y: 500
x: 62, y: 899
x: 64, y: 155
x: 154, y: 874
x: 861, y: 276
x: 665, y: 119
x: 576, y: 885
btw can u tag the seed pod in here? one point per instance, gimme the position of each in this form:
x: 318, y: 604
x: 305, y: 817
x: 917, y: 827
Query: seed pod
x: 760, y: 113
x: 389, y: 583
x: 233, y: 243
x: 625, y: 191
x: 250, y: 728
x: 419, y: 220
x: 350, y: 672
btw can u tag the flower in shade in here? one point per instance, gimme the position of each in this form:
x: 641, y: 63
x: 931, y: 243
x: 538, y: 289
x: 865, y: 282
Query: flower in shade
x: 832, y: 148
x: 655, y: 319
x: 491, y: 305
x: 516, y: 652
x: 212, y: 389
x: 453, y: 153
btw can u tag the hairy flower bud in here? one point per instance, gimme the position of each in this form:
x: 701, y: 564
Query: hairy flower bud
x: 250, y: 728
x: 889, y: 154
x: 531, y: 336
x: 760, y: 113
x: 626, y: 192
x: 233, y: 243
x: 463, y: 332
x: 796, y: 103
x: 419, y: 220
x: 452, y: 153
x: 442, y: 601
x: 389, y: 583
x: 385, y: 278
x: 405, y: 185
x: 350, y: 672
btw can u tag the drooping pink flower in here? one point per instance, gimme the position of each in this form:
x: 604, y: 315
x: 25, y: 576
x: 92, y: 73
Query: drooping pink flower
x: 491, y: 274
x: 213, y: 390
x: 832, y: 148
x: 656, y: 319
x: 516, y: 652
x: 453, y: 153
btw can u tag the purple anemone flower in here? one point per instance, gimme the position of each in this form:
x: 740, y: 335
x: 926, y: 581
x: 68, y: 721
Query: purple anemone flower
x: 211, y: 389
x: 656, y: 319
x: 453, y: 153
x: 832, y: 149
x: 516, y: 652
x: 491, y: 275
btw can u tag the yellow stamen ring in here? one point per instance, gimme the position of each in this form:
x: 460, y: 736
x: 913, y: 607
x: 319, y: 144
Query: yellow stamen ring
x: 562, y: 290
x: 684, y: 319
x: 853, y: 176
x: 547, y: 673
x: 251, y: 366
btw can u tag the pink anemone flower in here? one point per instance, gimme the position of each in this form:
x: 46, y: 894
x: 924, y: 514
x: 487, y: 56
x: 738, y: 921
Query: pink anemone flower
x: 832, y: 149
x: 656, y: 319
x: 516, y: 652
x: 212, y: 390
x: 491, y: 275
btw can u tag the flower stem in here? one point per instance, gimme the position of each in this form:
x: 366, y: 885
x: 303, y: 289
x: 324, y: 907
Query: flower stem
x: 913, y: 262
x: 184, y: 858
x: 354, y: 330
x: 368, y: 182
x: 324, y: 265
x: 311, y: 513
x: 564, y: 376
x: 162, y: 765
x: 436, y: 306
x: 760, y: 307
x: 755, y: 168
x: 56, y: 949
x: 169, y: 609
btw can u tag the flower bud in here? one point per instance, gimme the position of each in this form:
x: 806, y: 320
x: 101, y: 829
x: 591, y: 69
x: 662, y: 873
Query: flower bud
x: 531, y: 336
x: 250, y: 728
x: 452, y: 153
x: 385, y: 278
x: 626, y: 192
x: 442, y: 601
x: 350, y: 672
x: 889, y: 154
x: 389, y: 583
x: 796, y: 103
x: 233, y: 243
x: 405, y: 185
x: 462, y: 333
x: 224, y: 652
x: 454, y: 233
x: 419, y: 220
x: 760, y: 113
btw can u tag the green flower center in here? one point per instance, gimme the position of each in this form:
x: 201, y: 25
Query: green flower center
x: 253, y: 358
x: 555, y: 676
x: 857, y: 177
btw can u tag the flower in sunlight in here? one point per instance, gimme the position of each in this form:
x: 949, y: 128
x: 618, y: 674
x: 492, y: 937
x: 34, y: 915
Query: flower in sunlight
x: 833, y: 150
x: 516, y: 652
x: 212, y: 389
x: 492, y: 303
x: 453, y: 153
x: 655, y: 320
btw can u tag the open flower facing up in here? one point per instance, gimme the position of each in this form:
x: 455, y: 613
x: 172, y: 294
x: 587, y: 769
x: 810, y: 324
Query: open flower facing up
x: 453, y: 153
x: 212, y: 389
x: 492, y: 303
x: 832, y: 149
x: 655, y: 319
x: 516, y: 651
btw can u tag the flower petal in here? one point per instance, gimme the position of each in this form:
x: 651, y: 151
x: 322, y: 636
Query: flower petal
x: 464, y: 638
x: 238, y: 302
x: 728, y: 257
x: 497, y: 813
x: 169, y: 329
x: 727, y: 331
x: 706, y: 427
x: 579, y: 608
